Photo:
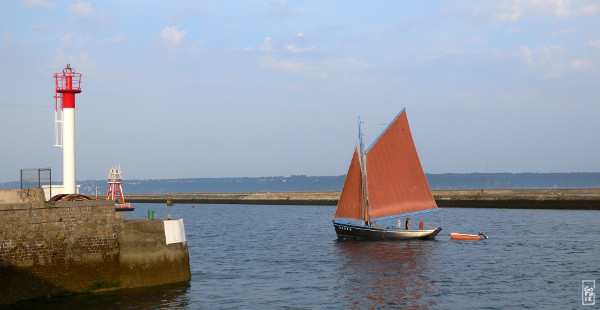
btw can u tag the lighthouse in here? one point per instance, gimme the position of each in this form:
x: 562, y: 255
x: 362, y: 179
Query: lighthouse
x: 68, y: 83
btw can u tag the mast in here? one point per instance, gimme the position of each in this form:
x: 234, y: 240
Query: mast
x: 363, y: 174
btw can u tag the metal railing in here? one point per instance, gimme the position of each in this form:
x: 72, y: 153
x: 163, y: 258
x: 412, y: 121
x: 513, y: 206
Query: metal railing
x: 36, y: 178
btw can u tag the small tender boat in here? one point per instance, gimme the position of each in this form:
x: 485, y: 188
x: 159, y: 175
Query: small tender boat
x: 457, y: 236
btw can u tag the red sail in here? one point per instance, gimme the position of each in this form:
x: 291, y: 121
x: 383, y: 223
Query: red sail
x: 396, y: 183
x: 350, y: 203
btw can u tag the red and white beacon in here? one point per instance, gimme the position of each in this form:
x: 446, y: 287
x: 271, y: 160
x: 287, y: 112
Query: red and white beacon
x: 68, y: 83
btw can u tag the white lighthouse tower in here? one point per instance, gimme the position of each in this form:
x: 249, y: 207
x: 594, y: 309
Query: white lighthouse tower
x: 68, y: 83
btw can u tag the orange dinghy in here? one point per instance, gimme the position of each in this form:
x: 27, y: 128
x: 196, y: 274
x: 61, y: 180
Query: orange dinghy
x: 457, y: 236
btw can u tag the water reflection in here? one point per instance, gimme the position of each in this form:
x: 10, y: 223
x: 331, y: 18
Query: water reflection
x: 385, y: 274
x: 172, y: 296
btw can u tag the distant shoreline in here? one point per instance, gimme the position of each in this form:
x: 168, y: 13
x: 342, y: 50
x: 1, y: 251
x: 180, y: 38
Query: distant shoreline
x: 303, y: 183
x: 570, y: 199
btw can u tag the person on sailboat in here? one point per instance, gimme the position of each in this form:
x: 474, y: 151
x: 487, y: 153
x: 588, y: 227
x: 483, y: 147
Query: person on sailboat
x: 399, y: 223
x: 407, y: 223
x: 421, y: 224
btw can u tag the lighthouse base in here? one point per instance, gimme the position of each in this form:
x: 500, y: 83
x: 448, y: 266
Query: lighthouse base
x: 51, y: 191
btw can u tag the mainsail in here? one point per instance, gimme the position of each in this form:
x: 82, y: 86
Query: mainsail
x: 395, y: 181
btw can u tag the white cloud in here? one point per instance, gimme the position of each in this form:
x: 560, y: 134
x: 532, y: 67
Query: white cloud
x: 65, y: 39
x: 292, y: 47
x: 588, y: 10
x: 526, y: 53
x: 441, y: 53
x: 40, y: 4
x: 566, y: 8
x: 321, y: 69
x: 285, y: 65
x: 300, y: 43
x: 278, y: 7
x: 353, y: 63
x: 7, y: 35
x: 551, y: 52
x: 560, y: 8
x: 514, y: 10
x: 463, y: 94
x: 565, y: 32
x: 41, y: 26
x: 579, y: 64
x: 113, y: 40
x: 511, y: 15
x: 82, y: 9
x: 267, y: 44
x: 549, y: 60
x: 595, y: 43
x: 172, y: 34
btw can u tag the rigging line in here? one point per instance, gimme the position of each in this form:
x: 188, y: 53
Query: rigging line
x: 409, y: 214
x: 384, y: 130
x: 374, y: 123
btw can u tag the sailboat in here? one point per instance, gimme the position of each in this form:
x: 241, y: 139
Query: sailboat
x: 385, y: 181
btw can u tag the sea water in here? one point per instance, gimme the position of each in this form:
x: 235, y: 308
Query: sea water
x: 248, y: 256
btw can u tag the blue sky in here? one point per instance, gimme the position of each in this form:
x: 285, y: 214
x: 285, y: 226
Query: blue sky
x: 264, y: 88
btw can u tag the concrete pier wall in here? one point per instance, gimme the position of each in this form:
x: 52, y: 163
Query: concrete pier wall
x: 575, y: 199
x: 569, y: 199
x: 273, y: 198
x: 51, y: 248
x: 146, y: 259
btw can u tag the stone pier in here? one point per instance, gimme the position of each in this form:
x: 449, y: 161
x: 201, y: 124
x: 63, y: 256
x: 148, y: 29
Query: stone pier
x: 53, y: 248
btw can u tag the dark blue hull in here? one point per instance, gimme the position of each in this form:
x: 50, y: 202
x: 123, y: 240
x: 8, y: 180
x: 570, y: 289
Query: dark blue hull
x: 348, y: 231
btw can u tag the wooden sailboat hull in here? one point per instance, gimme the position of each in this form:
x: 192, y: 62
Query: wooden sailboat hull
x: 347, y: 231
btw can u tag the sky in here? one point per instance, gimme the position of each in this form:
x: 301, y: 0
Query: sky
x: 186, y: 89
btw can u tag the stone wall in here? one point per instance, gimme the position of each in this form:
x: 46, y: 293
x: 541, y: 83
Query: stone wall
x: 145, y: 257
x: 51, y: 248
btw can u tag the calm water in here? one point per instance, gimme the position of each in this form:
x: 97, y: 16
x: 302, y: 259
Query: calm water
x: 288, y: 257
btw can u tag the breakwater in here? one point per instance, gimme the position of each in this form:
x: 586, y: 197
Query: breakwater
x: 270, y: 198
x: 576, y: 199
